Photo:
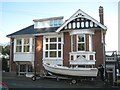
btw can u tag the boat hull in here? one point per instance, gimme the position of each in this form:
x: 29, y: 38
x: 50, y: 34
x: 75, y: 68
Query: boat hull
x: 75, y: 72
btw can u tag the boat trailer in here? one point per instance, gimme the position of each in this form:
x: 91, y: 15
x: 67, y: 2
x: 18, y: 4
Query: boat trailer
x: 49, y: 75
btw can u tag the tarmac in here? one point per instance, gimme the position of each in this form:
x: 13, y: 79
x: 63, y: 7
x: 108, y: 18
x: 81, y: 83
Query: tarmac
x: 14, y: 81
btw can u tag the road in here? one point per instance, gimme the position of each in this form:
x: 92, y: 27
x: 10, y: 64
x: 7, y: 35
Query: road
x: 25, y: 82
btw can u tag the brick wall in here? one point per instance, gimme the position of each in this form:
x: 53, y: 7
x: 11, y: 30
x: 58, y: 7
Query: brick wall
x: 74, y: 43
x: 38, y: 53
x: 66, y: 48
x: 87, y: 42
x: 98, y: 47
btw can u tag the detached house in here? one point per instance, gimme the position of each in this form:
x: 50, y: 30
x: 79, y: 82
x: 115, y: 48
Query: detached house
x: 55, y: 41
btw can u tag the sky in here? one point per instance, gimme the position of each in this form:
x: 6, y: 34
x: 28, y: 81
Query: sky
x: 16, y: 15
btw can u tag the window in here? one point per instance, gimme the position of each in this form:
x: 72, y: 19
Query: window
x: 59, y: 39
x: 81, y: 42
x: 53, y: 53
x: 73, y: 38
x: 33, y: 45
x: 23, y: 68
x: 53, y: 39
x: 46, y: 39
x: 30, y: 69
x: 53, y: 47
x: 36, y: 24
x: 19, y: 45
x: 26, y: 45
x: 59, y: 54
x: 56, y: 22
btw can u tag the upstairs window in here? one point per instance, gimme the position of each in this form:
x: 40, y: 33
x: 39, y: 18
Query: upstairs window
x: 33, y: 45
x: 55, y: 22
x: 81, y: 42
x: 19, y: 45
x: 26, y: 45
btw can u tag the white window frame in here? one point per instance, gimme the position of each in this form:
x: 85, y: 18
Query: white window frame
x: 81, y: 42
x: 25, y: 45
x: 18, y: 45
x: 30, y: 45
x: 44, y: 46
x: 72, y: 42
x: 55, y: 22
x: 32, y: 48
x: 90, y: 43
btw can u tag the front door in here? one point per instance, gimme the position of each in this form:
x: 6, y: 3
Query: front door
x: 24, y: 68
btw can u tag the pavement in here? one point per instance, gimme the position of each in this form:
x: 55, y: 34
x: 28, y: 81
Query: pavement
x: 14, y: 81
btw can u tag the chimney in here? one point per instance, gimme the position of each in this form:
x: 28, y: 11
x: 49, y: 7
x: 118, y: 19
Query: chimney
x: 101, y: 15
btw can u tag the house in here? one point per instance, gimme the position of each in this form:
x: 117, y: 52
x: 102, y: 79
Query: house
x: 55, y: 41
x: 112, y: 66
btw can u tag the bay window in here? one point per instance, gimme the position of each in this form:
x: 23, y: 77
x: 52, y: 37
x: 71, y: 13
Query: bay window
x: 33, y: 45
x: 24, y: 45
x: 78, y: 42
x: 53, y: 47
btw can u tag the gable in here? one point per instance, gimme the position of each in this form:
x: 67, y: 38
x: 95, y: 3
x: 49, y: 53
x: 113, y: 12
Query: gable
x: 80, y: 23
x: 80, y: 20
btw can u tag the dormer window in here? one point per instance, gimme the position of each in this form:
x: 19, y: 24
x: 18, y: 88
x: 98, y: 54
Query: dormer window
x: 48, y: 22
x: 55, y: 23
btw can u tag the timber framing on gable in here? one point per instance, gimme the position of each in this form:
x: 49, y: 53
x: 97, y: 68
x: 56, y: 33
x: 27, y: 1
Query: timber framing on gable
x: 80, y: 20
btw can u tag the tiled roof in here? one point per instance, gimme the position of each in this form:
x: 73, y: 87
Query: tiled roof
x: 30, y: 30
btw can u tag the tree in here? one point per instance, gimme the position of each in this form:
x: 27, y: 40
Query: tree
x: 5, y: 51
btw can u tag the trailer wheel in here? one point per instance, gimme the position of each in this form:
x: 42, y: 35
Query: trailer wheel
x: 33, y: 78
x: 74, y: 81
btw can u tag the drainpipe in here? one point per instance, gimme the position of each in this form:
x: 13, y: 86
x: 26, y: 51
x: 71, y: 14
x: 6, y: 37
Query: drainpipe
x: 104, y: 52
x: 101, y: 16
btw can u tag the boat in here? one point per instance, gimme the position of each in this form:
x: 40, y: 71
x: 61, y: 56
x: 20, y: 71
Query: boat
x: 71, y: 71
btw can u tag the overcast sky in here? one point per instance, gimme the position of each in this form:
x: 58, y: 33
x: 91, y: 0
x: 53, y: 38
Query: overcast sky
x: 18, y: 15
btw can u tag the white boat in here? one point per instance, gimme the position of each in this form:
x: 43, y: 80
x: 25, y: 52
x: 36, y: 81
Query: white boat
x: 76, y: 71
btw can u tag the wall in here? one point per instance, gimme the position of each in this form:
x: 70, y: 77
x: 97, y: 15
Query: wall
x: 66, y: 48
x: 38, y: 53
x: 98, y: 47
x: 87, y: 42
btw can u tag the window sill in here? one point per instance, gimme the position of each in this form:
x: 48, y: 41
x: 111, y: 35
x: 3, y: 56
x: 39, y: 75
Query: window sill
x: 24, y: 52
